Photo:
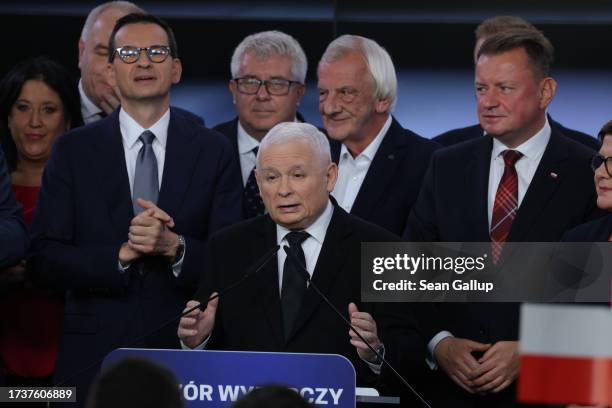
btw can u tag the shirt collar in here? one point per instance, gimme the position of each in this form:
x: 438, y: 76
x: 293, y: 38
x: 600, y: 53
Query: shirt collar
x: 370, y: 151
x: 532, y: 148
x: 317, y: 229
x: 131, y: 130
x: 246, y: 142
x: 88, y: 108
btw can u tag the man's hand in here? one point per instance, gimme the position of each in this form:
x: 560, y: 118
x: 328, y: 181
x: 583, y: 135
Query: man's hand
x: 149, y: 233
x: 195, y: 327
x: 156, y: 212
x: 454, y: 356
x: 13, y: 274
x: 499, y: 367
x: 110, y: 100
x: 366, y: 326
x: 127, y: 255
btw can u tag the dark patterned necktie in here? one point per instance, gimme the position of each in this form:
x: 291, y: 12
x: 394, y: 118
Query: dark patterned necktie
x: 506, y: 204
x: 294, y: 284
x: 252, y: 203
x: 146, y: 183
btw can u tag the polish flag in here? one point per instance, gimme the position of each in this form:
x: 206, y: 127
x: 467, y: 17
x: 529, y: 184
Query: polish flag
x: 566, y: 354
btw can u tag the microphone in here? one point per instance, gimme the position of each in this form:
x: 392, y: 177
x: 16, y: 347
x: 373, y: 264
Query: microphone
x: 257, y: 266
x: 298, y: 264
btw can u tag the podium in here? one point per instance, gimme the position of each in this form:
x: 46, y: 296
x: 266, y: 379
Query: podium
x: 218, y: 378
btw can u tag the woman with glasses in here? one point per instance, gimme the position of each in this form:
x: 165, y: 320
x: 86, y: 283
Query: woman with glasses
x: 38, y: 102
x: 601, y: 229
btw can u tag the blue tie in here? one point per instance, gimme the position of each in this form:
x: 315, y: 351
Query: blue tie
x: 146, y: 184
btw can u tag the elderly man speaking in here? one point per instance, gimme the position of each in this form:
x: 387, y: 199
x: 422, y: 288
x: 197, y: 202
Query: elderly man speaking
x: 276, y: 310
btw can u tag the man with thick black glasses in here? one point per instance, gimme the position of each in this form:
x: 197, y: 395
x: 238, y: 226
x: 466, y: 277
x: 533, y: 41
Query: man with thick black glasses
x: 268, y: 73
x: 127, y: 205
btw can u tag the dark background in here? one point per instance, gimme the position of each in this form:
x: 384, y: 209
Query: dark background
x: 430, y: 42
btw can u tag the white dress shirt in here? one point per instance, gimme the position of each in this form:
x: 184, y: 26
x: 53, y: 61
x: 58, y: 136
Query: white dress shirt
x: 532, y: 150
x: 89, y: 110
x: 352, y: 171
x: 130, y: 134
x: 311, y: 246
x: 246, y: 144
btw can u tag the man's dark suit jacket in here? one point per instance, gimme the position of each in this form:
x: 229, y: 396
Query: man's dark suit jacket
x: 83, y: 215
x: 249, y: 317
x: 467, y: 133
x: 393, y: 181
x: 452, y: 206
x: 598, y: 230
x: 13, y: 236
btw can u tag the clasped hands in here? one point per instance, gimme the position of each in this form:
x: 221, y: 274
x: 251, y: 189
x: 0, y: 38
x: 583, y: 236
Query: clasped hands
x: 149, y: 234
x: 493, y: 372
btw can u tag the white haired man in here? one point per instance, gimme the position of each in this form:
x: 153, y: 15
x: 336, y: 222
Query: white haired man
x: 268, y: 73
x: 273, y: 312
x: 381, y: 164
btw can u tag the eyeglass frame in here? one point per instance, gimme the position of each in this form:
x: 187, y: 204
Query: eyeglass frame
x: 117, y: 51
x: 265, y: 83
x: 604, y: 161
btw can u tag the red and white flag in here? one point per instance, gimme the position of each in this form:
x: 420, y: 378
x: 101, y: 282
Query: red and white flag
x: 566, y: 354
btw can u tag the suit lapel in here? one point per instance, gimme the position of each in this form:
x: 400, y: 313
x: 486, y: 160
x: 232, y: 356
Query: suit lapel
x: 266, y: 283
x: 327, y: 268
x: 477, y: 190
x: 545, y: 182
x: 232, y: 135
x: 182, y: 153
x: 381, y: 171
x: 113, y: 177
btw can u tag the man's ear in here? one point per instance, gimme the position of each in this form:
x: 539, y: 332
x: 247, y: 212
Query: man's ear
x: 110, y: 74
x: 232, y: 88
x: 331, y: 176
x: 177, y: 70
x: 382, y: 105
x: 548, y: 87
x: 81, y: 51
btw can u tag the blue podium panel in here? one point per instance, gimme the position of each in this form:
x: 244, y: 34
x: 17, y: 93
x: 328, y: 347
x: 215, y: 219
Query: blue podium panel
x: 218, y: 378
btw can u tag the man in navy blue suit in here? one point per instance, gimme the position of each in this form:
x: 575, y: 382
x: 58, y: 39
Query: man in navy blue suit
x: 126, y: 207
x: 381, y: 165
x: 523, y: 182
x: 485, y: 30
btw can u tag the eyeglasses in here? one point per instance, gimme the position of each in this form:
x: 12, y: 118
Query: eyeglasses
x: 155, y: 53
x: 251, y: 85
x: 598, y: 160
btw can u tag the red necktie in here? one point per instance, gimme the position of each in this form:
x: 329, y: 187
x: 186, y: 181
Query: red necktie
x: 506, y: 204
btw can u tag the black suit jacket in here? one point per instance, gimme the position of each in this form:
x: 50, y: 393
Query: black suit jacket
x: 595, y: 231
x: 452, y: 206
x: 249, y: 317
x: 394, y: 178
x: 467, y: 133
x: 83, y: 216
